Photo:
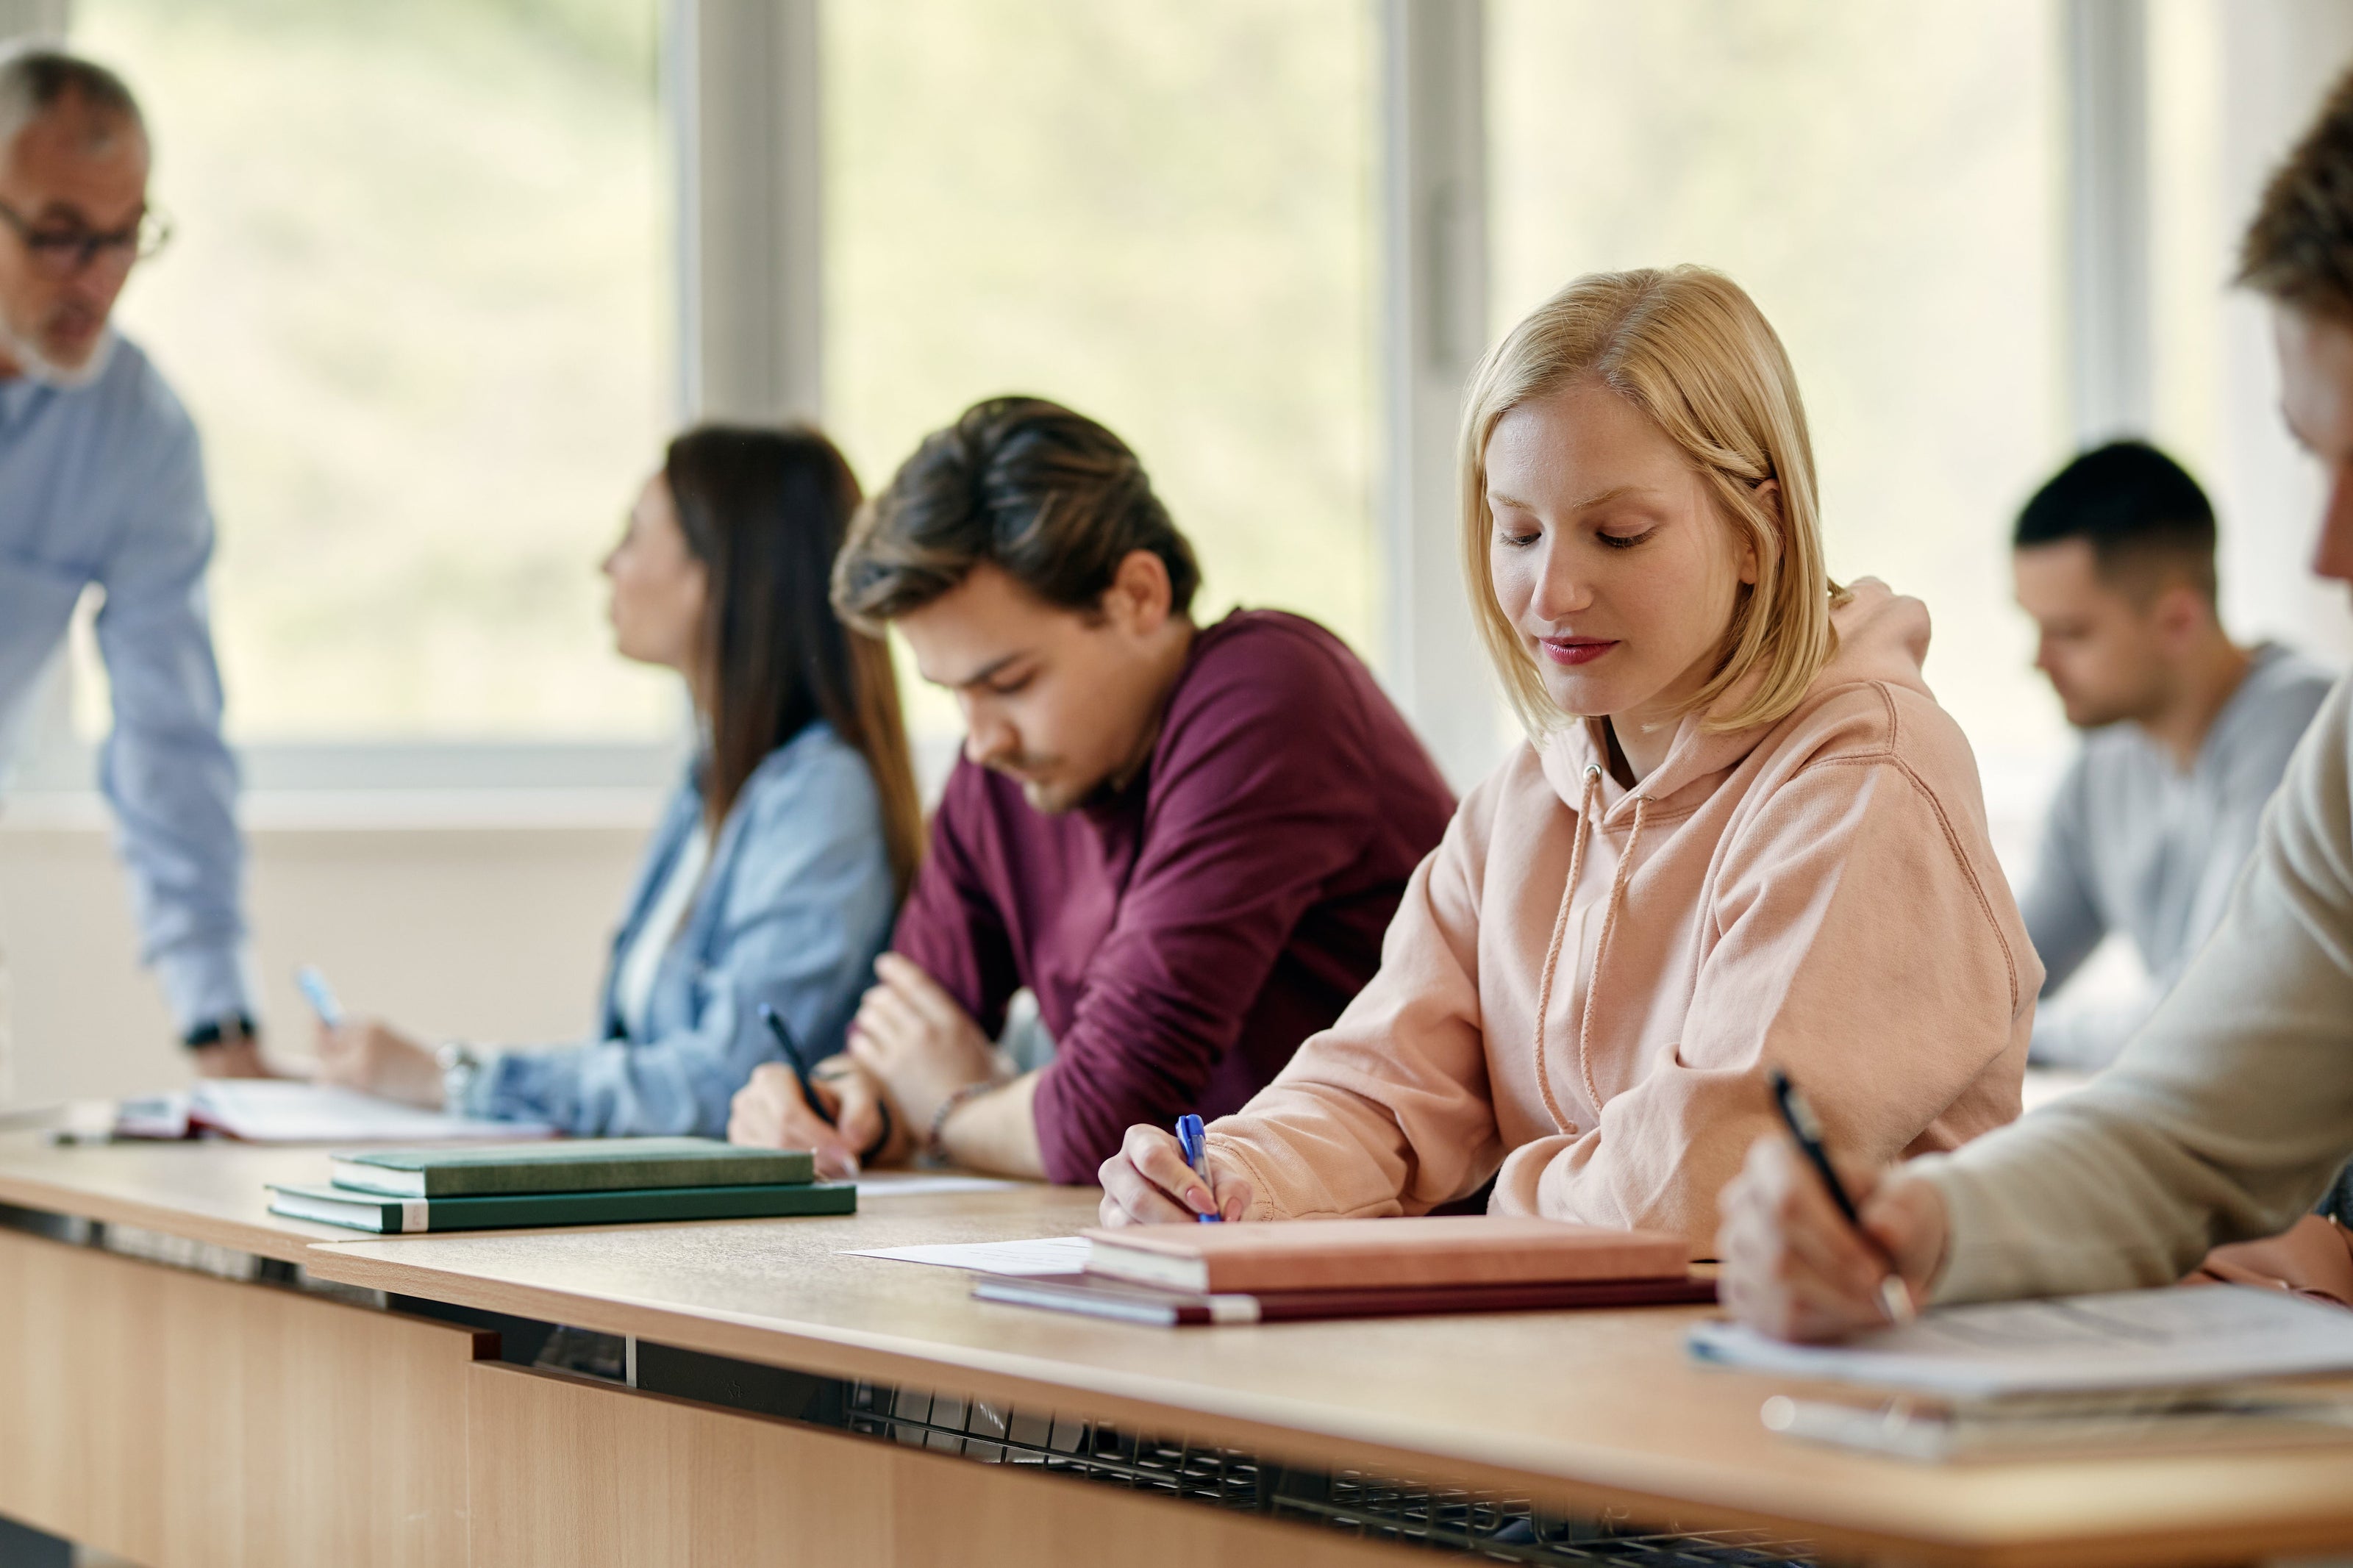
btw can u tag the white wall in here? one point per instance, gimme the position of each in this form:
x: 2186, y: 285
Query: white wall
x: 494, y: 931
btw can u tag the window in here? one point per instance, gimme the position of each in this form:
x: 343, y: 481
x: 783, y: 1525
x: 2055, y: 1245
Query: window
x: 1159, y: 214
x: 417, y: 303
x: 2230, y: 90
x: 1885, y: 182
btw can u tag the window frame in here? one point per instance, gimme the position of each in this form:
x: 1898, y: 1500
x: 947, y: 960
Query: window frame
x: 741, y: 85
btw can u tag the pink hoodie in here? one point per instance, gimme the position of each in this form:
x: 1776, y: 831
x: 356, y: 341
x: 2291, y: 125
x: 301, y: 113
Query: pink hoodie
x: 1585, y: 986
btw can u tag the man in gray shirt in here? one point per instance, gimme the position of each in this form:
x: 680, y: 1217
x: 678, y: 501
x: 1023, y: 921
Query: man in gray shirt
x: 2186, y: 733
x: 2231, y: 1112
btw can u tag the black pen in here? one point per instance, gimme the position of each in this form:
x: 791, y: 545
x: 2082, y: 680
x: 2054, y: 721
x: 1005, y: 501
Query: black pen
x: 775, y: 1022
x: 1799, y: 1117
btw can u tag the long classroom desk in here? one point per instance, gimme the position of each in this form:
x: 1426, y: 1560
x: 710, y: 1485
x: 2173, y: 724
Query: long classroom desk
x: 356, y: 1401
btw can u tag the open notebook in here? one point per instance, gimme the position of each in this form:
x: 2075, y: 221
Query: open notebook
x: 280, y: 1110
x: 2174, y: 1338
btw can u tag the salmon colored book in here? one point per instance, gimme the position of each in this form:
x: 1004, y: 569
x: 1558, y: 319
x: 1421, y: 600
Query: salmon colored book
x: 1343, y: 1253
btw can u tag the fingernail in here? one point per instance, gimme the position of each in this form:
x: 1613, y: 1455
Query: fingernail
x: 1200, y: 1201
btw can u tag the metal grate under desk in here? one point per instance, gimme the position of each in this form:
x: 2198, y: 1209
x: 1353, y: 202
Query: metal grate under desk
x: 1491, y: 1526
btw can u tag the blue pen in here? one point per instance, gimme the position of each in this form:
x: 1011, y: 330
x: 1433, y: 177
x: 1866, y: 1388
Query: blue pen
x: 319, y: 995
x: 1196, y: 1145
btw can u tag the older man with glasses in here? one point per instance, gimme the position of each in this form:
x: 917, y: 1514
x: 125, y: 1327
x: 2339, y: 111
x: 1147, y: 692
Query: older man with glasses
x: 101, y: 484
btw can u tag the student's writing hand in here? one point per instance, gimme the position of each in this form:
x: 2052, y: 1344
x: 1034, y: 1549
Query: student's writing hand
x: 1794, y: 1269
x: 1148, y: 1183
x: 918, y: 1039
x: 769, y: 1111
x: 370, y: 1054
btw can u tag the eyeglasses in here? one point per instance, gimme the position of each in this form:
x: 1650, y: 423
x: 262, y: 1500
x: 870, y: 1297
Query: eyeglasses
x: 63, y: 249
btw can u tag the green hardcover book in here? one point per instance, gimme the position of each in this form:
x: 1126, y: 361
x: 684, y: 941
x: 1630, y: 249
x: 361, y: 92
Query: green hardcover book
x: 569, y: 1165
x: 400, y: 1217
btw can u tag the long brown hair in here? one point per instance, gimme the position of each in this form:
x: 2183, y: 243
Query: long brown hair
x: 764, y: 509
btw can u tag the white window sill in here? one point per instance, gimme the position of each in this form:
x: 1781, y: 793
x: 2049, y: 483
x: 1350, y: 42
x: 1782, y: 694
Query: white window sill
x: 344, y: 811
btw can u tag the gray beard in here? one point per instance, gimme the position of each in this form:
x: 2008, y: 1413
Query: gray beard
x: 35, y: 366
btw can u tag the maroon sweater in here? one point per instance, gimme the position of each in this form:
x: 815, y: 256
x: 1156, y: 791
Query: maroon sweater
x: 1185, y: 935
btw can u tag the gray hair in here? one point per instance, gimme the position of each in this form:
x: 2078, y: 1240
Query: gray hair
x: 34, y: 77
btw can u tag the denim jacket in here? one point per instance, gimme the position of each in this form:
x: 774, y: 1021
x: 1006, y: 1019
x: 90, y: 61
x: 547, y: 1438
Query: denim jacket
x: 794, y: 907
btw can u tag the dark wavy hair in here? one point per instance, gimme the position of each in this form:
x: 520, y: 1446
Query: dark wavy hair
x: 764, y: 509
x: 1046, y: 495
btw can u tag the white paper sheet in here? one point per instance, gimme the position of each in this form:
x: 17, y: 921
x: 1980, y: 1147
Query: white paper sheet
x: 280, y: 1110
x: 1048, y: 1255
x: 902, y: 1184
x: 2130, y: 1339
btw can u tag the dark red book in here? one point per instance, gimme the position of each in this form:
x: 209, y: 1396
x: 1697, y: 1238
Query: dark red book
x: 1096, y: 1297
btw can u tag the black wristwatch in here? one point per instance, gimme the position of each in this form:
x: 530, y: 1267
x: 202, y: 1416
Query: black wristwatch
x: 238, y: 1026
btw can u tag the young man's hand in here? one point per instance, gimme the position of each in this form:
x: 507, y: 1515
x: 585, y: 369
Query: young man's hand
x: 1794, y: 1269
x: 915, y: 1038
x: 1148, y: 1183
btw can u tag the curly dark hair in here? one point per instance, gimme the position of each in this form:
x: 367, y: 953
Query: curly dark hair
x: 2299, y: 249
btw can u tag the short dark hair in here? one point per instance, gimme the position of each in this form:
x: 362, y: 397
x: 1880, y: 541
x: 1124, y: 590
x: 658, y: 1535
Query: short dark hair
x: 2299, y: 249
x: 1047, y: 496
x: 2135, y: 505
x: 34, y: 78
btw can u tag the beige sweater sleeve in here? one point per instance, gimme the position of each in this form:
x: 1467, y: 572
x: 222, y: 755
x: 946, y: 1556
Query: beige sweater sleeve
x: 2227, y: 1115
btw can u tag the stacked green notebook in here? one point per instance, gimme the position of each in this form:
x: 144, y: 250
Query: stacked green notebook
x: 586, y: 1181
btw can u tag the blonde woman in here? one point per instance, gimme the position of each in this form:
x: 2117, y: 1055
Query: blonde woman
x: 1742, y: 834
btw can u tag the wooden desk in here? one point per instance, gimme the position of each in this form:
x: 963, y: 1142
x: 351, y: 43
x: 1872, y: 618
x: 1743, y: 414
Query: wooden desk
x: 1583, y: 1411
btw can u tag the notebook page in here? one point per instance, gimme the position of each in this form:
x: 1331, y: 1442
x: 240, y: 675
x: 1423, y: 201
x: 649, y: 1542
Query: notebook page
x: 2130, y: 1339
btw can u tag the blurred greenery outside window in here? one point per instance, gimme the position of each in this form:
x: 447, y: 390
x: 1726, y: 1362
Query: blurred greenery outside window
x: 419, y: 304
x: 419, y: 307
x: 1887, y: 182
x: 1160, y: 215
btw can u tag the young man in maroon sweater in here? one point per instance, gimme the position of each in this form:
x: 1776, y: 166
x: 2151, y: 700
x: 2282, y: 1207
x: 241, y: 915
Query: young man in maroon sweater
x: 1186, y: 840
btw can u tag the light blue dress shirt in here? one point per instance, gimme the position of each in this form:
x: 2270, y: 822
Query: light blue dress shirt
x: 795, y: 903
x: 104, y: 485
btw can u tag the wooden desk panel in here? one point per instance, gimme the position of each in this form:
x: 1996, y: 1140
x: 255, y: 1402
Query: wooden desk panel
x: 570, y: 1475
x: 200, y: 1191
x: 186, y: 1422
x: 1587, y: 1410
x: 1583, y: 1410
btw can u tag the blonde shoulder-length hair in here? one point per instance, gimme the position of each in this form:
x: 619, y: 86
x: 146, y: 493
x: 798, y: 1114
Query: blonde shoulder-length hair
x: 1687, y: 346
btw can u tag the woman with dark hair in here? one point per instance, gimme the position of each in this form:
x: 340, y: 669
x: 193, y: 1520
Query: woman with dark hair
x: 773, y: 875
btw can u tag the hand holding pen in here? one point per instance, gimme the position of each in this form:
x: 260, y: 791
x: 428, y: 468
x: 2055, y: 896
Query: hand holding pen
x: 788, y: 1105
x: 1808, y: 1255
x: 1162, y: 1178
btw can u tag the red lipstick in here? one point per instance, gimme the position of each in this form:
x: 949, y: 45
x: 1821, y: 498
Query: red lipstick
x: 1576, y: 650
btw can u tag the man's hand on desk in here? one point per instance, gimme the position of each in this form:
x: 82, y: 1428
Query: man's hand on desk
x: 770, y: 1112
x: 1794, y: 1269
x: 916, y: 1039
x: 369, y: 1055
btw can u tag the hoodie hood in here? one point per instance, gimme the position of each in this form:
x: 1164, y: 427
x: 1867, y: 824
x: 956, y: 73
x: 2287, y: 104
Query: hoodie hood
x: 1882, y: 636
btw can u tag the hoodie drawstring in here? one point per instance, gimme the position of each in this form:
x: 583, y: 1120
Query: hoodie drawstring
x: 1588, y: 799
x: 1601, y: 950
